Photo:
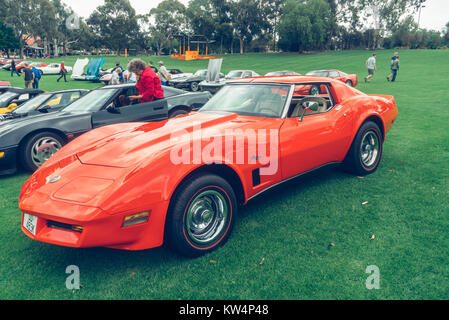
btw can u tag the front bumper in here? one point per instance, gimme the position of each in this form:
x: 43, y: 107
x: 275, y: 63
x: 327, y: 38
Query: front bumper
x: 8, y: 160
x: 99, y: 229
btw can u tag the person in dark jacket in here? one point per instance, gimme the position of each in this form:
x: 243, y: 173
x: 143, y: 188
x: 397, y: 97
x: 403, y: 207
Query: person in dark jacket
x: 148, y: 85
x: 13, y: 68
x: 28, y: 76
x: 37, y: 77
x: 394, y: 66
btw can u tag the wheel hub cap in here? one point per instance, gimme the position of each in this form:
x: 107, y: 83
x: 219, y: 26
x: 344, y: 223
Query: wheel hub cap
x: 44, y: 149
x: 370, y: 149
x: 206, y: 217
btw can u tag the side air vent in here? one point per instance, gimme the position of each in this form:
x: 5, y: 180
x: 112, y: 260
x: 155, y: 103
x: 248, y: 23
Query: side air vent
x: 256, y: 177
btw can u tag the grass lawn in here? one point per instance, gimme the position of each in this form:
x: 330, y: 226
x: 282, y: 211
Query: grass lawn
x: 280, y: 248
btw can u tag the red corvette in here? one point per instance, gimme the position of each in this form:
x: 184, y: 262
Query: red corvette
x: 132, y: 186
x: 32, y: 64
x: 349, y: 79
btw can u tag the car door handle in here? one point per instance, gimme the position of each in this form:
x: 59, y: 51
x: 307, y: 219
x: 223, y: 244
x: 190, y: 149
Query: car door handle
x: 158, y: 108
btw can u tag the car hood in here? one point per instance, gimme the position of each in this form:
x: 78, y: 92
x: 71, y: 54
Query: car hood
x: 35, y: 119
x: 93, y: 69
x: 78, y: 68
x: 143, y: 142
x: 188, y: 78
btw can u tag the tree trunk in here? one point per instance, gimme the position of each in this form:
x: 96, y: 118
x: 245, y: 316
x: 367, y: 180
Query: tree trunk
x: 241, y: 45
x: 56, y: 48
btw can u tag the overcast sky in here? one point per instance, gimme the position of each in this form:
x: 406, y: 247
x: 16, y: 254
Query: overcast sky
x: 434, y: 16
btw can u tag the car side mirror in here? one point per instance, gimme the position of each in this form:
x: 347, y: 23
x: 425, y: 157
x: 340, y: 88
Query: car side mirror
x: 44, y: 109
x: 303, y: 112
x: 112, y: 109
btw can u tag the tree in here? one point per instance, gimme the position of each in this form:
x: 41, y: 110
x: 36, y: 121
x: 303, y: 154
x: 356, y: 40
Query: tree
x: 8, y: 40
x: 446, y: 34
x: 115, y: 24
x: 304, y: 25
x: 29, y: 18
x: 248, y: 20
x: 169, y: 19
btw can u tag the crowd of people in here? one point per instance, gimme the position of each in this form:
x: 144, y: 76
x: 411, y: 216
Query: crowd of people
x: 372, y: 67
x: 148, y: 78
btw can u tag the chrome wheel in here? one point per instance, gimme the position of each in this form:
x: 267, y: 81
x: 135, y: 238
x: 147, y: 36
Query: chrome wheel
x: 194, y: 86
x: 43, y: 149
x: 370, y: 149
x: 206, y: 217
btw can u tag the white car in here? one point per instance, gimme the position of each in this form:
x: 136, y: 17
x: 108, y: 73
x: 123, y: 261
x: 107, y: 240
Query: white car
x: 54, y: 68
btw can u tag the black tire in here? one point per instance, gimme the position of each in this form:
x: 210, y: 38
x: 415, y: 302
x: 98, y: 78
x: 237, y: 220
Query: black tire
x: 365, y: 153
x: 202, y: 197
x: 177, y: 113
x: 194, y: 86
x: 28, y: 157
x: 349, y: 83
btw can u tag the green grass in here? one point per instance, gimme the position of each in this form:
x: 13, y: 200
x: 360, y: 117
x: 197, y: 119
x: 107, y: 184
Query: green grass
x: 289, y: 228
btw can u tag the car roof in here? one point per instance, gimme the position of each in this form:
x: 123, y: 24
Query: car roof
x: 68, y: 90
x: 284, y: 79
x: 22, y: 90
x: 324, y: 70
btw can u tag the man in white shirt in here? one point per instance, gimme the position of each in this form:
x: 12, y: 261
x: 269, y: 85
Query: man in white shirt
x: 164, y: 75
x: 371, y: 66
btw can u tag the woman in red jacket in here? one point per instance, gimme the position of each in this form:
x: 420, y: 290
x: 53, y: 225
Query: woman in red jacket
x: 148, y: 84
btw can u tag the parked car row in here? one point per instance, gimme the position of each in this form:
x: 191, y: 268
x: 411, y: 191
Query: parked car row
x: 199, y: 82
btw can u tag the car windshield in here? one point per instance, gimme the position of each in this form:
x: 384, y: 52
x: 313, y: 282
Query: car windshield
x: 259, y: 100
x: 234, y: 74
x: 93, y: 101
x: 317, y: 73
x: 32, y: 104
x: 4, y: 98
x: 201, y: 73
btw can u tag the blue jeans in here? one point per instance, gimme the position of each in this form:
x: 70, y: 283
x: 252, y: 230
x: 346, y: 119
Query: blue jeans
x: 395, y: 73
x: 36, y: 83
x: 14, y: 70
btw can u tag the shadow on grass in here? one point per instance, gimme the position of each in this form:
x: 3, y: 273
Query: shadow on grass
x: 100, y: 260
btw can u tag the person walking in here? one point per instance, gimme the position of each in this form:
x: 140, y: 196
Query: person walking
x: 148, y: 84
x: 119, y: 70
x: 28, y: 76
x: 13, y: 68
x: 62, y: 72
x: 37, y: 77
x: 394, y: 66
x: 371, y: 66
x: 164, y: 75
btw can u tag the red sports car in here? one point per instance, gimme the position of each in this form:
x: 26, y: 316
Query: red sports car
x: 349, y: 79
x: 30, y: 65
x: 134, y: 185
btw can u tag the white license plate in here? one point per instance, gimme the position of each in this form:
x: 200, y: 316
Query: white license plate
x: 30, y: 223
